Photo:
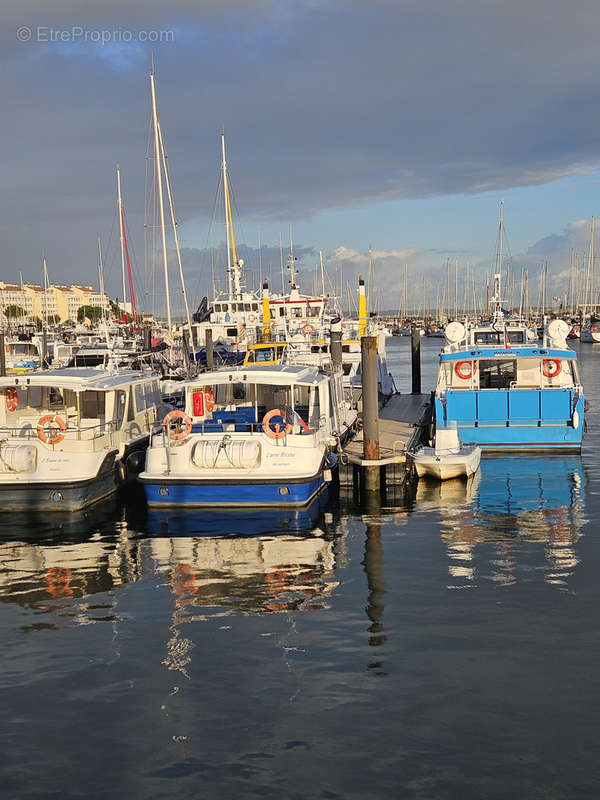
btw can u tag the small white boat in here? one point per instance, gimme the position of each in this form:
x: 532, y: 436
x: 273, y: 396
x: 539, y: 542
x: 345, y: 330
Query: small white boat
x: 448, y: 459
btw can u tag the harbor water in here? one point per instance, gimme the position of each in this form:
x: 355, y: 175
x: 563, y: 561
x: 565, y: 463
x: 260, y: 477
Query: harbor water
x: 443, y: 646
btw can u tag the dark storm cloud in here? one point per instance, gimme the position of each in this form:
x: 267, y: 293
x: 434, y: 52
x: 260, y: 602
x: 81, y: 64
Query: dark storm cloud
x: 326, y: 104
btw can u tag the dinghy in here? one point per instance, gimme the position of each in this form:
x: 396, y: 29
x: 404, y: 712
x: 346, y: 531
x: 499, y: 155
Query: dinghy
x: 448, y: 459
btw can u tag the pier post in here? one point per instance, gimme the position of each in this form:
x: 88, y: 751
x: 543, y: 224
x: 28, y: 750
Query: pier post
x: 210, y: 355
x: 370, y: 401
x: 186, y: 353
x: 336, y: 343
x: 2, y: 356
x: 147, y: 338
x: 415, y: 346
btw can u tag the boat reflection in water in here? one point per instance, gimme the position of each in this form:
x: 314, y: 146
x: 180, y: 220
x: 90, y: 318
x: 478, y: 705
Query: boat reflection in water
x: 47, y: 562
x: 250, y: 561
x: 520, y: 517
x: 213, y: 563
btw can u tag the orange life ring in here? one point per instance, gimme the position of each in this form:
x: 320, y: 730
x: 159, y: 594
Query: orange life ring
x: 465, y: 374
x: 282, y: 429
x: 53, y: 436
x: 209, y: 399
x: 12, y: 399
x: 551, y: 367
x: 308, y: 329
x: 177, y: 434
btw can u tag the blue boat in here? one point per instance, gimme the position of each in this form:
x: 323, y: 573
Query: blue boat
x: 504, y: 393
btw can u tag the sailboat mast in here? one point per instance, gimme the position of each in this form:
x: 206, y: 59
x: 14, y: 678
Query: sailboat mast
x: 120, y: 210
x: 500, y: 245
x: 101, y: 276
x: 227, y: 218
x: 175, y: 234
x: 157, y: 161
x: 45, y: 290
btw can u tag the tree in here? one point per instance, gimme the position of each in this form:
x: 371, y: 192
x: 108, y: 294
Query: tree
x: 93, y: 313
x: 15, y: 311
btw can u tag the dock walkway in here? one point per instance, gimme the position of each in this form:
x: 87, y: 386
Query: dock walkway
x: 401, y: 423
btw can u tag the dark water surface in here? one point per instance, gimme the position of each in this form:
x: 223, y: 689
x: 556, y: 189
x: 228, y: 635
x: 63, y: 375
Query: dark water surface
x: 442, y: 648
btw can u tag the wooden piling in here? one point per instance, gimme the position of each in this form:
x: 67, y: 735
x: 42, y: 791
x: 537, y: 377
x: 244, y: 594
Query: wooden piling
x: 370, y: 401
x: 336, y: 343
x: 415, y: 342
x: 210, y: 354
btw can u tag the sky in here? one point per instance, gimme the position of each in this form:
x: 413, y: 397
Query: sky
x: 395, y: 125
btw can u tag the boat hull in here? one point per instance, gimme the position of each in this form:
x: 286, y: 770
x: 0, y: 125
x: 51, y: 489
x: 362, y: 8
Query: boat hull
x: 231, y: 494
x: 57, y: 496
x: 443, y: 468
x: 561, y: 430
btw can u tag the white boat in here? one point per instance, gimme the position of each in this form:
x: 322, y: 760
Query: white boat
x: 448, y: 459
x: 67, y: 436
x: 253, y: 436
x: 22, y: 354
x: 590, y: 330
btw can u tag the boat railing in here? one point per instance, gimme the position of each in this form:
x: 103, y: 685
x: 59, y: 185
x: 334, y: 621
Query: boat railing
x: 91, y: 434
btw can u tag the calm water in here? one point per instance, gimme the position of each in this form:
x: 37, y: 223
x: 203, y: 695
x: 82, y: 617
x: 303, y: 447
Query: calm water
x: 446, y: 647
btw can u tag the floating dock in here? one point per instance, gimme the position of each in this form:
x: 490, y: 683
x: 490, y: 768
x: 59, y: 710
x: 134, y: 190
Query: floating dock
x: 403, y: 423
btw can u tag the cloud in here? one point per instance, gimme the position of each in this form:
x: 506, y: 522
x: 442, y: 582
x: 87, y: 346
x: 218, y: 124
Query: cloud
x: 327, y: 105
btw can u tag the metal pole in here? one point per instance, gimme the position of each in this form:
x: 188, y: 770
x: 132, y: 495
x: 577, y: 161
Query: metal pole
x: 210, y: 355
x: 147, y: 339
x: 2, y: 356
x: 415, y: 342
x: 336, y: 344
x: 370, y: 400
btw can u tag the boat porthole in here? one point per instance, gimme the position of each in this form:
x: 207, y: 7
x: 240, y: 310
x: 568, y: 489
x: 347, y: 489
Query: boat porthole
x: 56, y: 497
x: 283, y: 490
x: 163, y: 491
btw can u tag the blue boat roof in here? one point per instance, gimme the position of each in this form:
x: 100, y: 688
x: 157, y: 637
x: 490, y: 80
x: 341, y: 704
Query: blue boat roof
x: 512, y: 352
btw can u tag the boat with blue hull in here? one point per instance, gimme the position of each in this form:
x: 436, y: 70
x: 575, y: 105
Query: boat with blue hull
x: 251, y: 436
x: 502, y: 393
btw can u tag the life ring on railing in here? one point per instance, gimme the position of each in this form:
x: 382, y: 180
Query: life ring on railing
x: 282, y: 428
x: 465, y: 369
x: 177, y: 434
x: 251, y: 317
x: 308, y: 329
x: 551, y: 367
x: 12, y: 399
x: 53, y: 436
x: 209, y: 399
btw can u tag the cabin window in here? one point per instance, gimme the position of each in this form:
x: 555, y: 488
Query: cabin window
x: 487, y: 337
x: 239, y: 391
x: 254, y: 306
x: 497, y: 373
x: 140, y: 403
x: 119, y: 412
x: 55, y: 398
x: 516, y: 337
x: 231, y: 332
x: 282, y: 311
x: 92, y: 404
x: 346, y: 368
x: 265, y: 354
x: 225, y: 307
x: 217, y: 306
x: 246, y: 306
x: 130, y: 409
x: 297, y: 312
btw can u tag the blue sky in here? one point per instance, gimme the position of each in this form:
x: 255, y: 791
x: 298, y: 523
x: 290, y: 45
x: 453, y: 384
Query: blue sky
x: 396, y: 124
